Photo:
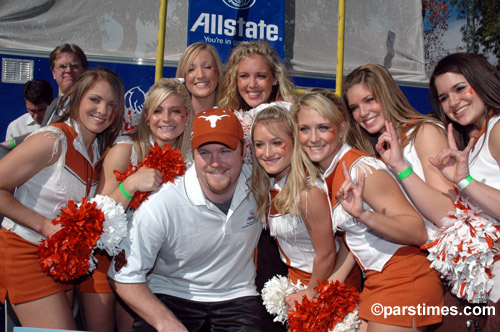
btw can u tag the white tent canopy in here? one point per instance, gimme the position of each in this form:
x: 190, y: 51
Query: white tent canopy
x: 376, y: 31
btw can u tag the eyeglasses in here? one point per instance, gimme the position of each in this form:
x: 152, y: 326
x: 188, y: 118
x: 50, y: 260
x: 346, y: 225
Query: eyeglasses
x: 72, y: 66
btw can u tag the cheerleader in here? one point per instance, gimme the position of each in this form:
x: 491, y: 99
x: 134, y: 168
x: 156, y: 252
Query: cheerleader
x: 55, y: 164
x: 465, y: 90
x: 293, y: 199
x: 382, y: 229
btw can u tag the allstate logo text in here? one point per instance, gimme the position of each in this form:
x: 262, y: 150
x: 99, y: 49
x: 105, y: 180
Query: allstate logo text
x: 216, y: 24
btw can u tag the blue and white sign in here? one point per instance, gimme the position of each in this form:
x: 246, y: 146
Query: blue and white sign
x: 226, y: 23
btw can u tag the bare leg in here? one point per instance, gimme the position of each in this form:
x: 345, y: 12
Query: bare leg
x: 98, y: 311
x: 53, y: 312
x: 378, y: 327
x: 363, y: 326
x: 124, y: 320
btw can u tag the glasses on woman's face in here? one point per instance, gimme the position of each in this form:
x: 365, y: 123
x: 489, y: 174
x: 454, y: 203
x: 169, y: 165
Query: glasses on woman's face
x: 72, y: 66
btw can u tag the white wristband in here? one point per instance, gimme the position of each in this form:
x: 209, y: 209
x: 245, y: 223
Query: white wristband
x: 464, y: 183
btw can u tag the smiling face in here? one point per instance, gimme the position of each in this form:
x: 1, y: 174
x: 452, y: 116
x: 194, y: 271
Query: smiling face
x: 255, y: 80
x: 459, y: 101
x: 366, y: 110
x: 97, y: 110
x: 318, y: 137
x: 273, y: 148
x: 202, y: 76
x: 67, y: 70
x: 218, y: 169
x: 168, y: 120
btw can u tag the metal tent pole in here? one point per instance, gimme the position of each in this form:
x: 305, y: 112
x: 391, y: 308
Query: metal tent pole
x: 160, y: 48
x: 340, y: 49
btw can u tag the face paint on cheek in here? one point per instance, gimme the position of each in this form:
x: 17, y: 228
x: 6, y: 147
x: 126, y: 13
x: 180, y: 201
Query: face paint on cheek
x: 283, y: 147
x: 469, y: 92
x: 182, y: 116
x: 333, y: 131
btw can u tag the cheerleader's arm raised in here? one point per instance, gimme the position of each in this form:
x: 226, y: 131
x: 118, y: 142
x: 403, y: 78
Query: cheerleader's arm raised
x: 392, y: 216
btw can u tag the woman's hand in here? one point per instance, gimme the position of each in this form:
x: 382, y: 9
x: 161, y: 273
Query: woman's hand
x: 451, y: 162
x: 390, y: 149
x: 350, y: 194
x: 298, y: 296
x: 49, y: 229
x: 145, y: 179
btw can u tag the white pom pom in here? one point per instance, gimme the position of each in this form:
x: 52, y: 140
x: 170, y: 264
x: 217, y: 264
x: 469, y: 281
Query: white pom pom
x: 274, y: 292
x: 114, y: 227
x: 463, y: 252
x: 349, y: 324
x: 92, y: 262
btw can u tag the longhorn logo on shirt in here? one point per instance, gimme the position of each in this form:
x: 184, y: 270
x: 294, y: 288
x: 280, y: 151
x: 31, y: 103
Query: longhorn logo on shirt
x: 213, y: 119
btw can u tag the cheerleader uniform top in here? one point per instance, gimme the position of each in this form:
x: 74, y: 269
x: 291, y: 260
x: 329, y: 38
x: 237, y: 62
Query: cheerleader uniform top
x: 411, y: 158
x: 482, y: 166
x: 294, y: 243
x: 72, y: 177
x: 485, y: 169
x: 371, y: 250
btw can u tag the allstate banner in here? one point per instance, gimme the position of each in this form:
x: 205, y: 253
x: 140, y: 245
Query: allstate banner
x: 226, y: 23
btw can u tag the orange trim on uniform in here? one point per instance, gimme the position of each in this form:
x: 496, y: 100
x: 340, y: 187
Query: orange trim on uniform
x: 80, y: 167
x: 20, y: 273
x: 482, y: 130
x: 334, y: 182
x: 295, y: 274
x: 75, y: 161
x: 407, y: 280
x: 98, y: 281
x: 336, y: 178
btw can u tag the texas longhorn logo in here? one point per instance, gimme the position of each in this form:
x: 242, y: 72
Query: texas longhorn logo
x: 213, y: 119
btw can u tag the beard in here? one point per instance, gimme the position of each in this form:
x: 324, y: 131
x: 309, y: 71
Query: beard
x: 218, y: 185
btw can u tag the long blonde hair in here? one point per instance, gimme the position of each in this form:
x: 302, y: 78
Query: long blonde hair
x: 155, y: 96
x: 328, y: 106
x: 188, y: 56
x: 284, y: 90
x: 302, y: 172
x: 395, y: 105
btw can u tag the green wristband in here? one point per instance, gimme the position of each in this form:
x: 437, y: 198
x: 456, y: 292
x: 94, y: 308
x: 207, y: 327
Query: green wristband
x: 12, y: 143
x: 124, y: 192
x: 465, y: 182
x: 406, y: 173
